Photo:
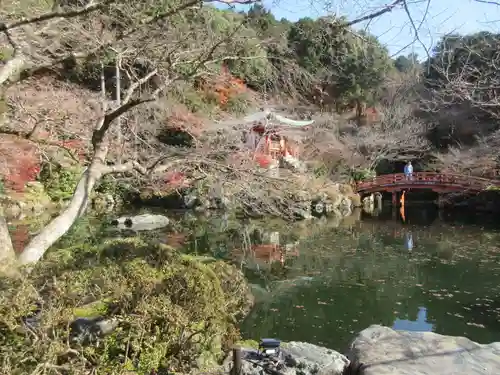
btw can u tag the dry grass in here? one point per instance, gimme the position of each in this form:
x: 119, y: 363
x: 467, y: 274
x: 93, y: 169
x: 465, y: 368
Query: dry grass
x: 56, y: 108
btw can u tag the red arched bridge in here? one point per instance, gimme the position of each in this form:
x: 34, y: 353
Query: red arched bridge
x: 437, y: 182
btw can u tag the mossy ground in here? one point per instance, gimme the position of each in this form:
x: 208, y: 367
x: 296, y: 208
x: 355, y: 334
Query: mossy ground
x: 174, y: 312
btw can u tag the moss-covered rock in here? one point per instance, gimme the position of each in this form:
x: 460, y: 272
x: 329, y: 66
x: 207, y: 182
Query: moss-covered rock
x: 173, y: 311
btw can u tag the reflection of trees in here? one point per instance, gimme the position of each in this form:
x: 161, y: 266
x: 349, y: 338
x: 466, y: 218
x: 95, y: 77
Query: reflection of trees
x: 352, y: 289
x: 367, y: 277
x: 441, y: 232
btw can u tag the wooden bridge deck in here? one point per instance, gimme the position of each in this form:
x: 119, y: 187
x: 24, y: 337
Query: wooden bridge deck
x: 438, y: 182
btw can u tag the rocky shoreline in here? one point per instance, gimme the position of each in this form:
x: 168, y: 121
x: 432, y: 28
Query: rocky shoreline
x: 312, y: 197
x: 309, y: 197
x: 379, y: 350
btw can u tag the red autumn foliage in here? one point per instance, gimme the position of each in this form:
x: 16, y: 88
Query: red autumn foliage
x: 25, y: 170
x: 263, y: 160
x: 20, y: 236
x: 176, y: 180
x: 225, y: 86
x: 19, y: 162
x: 76, y: 146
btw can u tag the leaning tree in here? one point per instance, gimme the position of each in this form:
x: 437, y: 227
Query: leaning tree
x: 150, y: 45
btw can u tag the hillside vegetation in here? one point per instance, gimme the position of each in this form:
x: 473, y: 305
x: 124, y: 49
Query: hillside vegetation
x: 111, y: 96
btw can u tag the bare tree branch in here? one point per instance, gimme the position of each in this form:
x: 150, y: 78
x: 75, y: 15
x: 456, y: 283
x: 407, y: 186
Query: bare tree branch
x: 90, y: 7
x: 384, y: 10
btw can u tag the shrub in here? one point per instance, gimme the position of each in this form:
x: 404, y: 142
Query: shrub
x: 59, y: 182
x: 193, y: 100
x: 237, y: 104
x: 172, y: 311
x: 362, y: 174
x: 113, y: 186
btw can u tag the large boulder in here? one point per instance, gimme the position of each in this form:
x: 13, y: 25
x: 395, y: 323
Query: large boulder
x: 384, y: 351
x: 312, y: 359
x: 296, y: 358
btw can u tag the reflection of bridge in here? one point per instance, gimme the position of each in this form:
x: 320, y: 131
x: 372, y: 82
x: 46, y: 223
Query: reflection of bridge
x: 437, y: 182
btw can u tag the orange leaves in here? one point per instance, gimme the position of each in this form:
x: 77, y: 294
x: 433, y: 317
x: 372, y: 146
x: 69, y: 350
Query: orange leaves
x: 20, y: 161
x: 225, y: 86
x: 231, y: 88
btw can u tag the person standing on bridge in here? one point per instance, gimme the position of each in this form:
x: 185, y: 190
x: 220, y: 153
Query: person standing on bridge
x: 409, y: 171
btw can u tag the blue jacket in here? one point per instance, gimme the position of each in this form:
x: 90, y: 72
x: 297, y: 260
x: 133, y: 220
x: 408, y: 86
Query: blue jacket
x: 408, y: 169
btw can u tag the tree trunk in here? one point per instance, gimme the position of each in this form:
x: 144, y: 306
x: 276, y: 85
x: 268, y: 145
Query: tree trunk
x: 6, y: 248
x: 11, y: 68
x: 7, y: 254
x: 37, y: 247
x: 359, y: 109
x: 118, y: 104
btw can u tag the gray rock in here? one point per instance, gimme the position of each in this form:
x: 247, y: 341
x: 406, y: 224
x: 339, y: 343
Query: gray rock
x: 87, y: 330
x: 384, y: 351
x: 103, y: 203
x: 369, y: 203
x: 302, y: 213
x: 142, y: 222
x: 297, y: 358
x: 313, y: 359
x: 190, y: 200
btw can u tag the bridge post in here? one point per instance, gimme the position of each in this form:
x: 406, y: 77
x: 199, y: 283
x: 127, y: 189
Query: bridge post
x: 394, y: 198
x: 378, y: 196
x: 440, y: 201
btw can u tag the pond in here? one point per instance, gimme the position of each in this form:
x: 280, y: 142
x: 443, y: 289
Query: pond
x: 325, y: 280
x: 442, y: 276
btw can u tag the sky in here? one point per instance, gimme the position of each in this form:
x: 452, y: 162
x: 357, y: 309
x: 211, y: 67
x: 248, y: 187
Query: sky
x: 394, y: 29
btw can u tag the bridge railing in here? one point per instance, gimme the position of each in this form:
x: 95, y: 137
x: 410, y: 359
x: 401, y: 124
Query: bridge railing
x: 431, y: 178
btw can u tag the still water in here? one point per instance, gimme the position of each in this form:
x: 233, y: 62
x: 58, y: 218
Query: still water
x: 424, y: 274
x: 323, y: 281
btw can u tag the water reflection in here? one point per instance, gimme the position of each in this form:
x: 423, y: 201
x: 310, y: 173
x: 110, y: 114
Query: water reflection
x: 264, y: 250
x: 420, y: 324
x: 409, y: 241
x: 342, y: 281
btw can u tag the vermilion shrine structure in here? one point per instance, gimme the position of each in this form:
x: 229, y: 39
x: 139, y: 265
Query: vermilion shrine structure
x: 272, y: 138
